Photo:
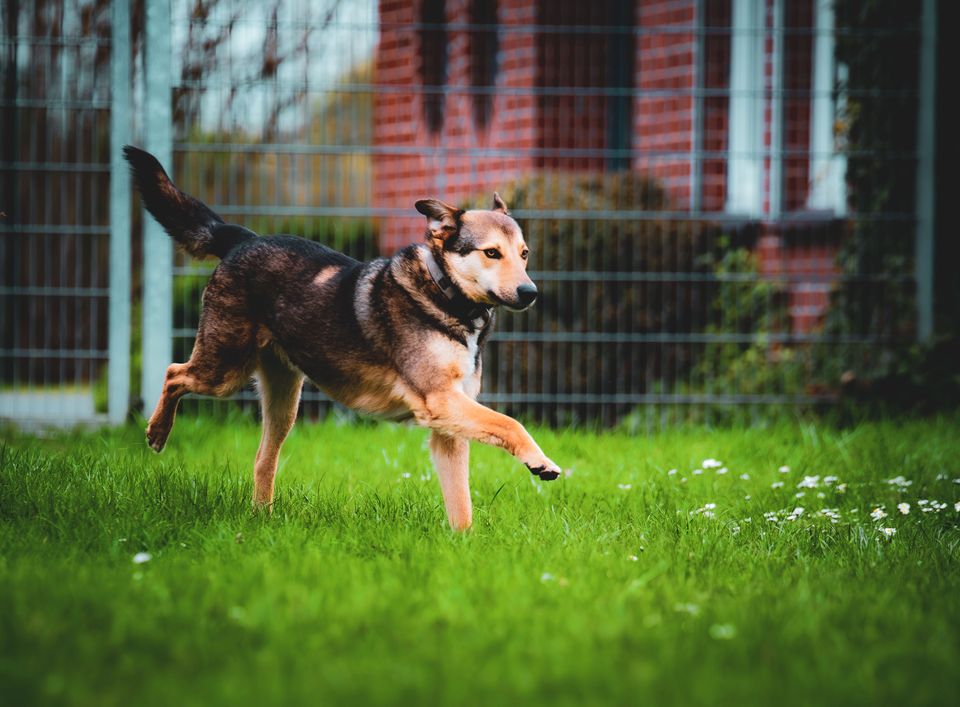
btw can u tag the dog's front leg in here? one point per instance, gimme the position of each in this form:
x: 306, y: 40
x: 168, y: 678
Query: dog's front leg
x: 457, y: 415
x: 451, y: 459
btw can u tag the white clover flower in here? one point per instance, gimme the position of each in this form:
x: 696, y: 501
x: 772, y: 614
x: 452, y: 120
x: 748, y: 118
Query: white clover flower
x: 142, y: 557
x: 672, y: 472
x: 830, y: 513
x: 798, y: 511
x: 722, y: 470
x: 784, y: 469
x: 799, y: 494
x: 747, y: 497
x: 706, y: 510
x: 809, y: 482
x: 878, y: 514
x: 697, y: 472
x: 899, y: 481
x: 624, y: 487
x: 829, y: 480
x: 745, y: 477
x: 776, y: 485
x: 723, y: 632
x: 889, y: 532
x: 711, y: 463
x: 904, y: 508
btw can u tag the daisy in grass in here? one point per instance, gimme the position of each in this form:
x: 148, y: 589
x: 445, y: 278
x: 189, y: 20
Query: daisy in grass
x: 711, y: 464
x: 889, y: 532
x: 904, y: 508
x: 878, y: 514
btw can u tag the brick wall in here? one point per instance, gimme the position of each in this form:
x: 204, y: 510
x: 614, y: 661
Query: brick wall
x: 664, y: 124
x: 528, y: 128
x: 456, y: 172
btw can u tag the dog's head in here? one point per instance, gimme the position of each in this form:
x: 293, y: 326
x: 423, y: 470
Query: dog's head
x: 483, y: 252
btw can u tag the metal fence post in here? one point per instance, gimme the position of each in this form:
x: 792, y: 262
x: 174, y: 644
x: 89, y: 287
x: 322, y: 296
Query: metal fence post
x: 926, y: 137
x: 118, y: 376
x: 157, y: 248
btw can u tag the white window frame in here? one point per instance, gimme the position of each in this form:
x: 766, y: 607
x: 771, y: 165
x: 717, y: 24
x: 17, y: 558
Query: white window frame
x: 745, y: 128
x: 828, y: 166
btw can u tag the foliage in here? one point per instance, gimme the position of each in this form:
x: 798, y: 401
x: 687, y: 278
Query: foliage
x: 878, y: 43
x: 616, y: 585
x: 617, y: 269
x: 751, y: 355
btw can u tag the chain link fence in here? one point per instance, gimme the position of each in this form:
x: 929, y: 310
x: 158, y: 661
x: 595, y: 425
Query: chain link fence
x: 726, y: 200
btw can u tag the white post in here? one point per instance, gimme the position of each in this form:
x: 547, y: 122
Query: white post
x: 118, y: 375
x: 745, y: 143
x: 696, y: 123
x: 157, y: 247
x: 776, y: 114
x: 828, y: 167
x: 926, y: 166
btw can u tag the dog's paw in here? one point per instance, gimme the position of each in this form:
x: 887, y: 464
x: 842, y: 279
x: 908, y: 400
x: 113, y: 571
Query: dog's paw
x: 157, y: 438
x: 545, y: 469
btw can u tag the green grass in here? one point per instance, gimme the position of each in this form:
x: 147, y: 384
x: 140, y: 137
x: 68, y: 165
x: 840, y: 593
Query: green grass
x: 355, y: 592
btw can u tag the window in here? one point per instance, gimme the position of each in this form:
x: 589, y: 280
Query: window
x: 587, y: 50
x: 433, y: 61
x: 484, y: 44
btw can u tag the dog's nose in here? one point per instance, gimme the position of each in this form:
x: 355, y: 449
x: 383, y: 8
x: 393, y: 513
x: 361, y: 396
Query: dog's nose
x: 527, y: 294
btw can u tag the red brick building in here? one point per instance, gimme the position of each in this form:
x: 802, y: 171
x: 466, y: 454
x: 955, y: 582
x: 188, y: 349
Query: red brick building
x: 731, y: 105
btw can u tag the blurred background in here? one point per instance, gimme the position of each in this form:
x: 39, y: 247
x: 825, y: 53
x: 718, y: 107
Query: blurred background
x: 731, y: 204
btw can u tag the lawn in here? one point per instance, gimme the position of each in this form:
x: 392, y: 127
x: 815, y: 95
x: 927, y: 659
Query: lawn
x: 622, y: 583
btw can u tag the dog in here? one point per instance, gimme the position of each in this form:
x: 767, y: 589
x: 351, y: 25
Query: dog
x: 398, y: 338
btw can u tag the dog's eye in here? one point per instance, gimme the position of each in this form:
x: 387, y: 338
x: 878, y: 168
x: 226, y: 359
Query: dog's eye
x: 525, y: 253
x: 492, y: 253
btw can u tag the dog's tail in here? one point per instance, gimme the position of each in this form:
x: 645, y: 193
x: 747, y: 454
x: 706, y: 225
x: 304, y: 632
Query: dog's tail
x: 190, y: 223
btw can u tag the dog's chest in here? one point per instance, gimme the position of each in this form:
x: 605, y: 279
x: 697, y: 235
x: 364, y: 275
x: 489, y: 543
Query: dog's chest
x: 458, y: 360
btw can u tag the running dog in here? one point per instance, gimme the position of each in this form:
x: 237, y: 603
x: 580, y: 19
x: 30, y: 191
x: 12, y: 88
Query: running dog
x: 398, y: 338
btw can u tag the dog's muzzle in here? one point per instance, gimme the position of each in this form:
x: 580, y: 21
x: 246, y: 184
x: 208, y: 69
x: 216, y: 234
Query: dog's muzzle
x: 526, y: 295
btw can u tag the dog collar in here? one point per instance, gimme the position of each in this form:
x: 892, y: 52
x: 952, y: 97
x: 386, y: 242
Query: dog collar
x: 443, y: 282
x: 448, y: 288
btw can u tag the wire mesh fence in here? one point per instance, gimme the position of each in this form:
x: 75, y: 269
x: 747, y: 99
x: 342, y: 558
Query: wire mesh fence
x: 720, y: 195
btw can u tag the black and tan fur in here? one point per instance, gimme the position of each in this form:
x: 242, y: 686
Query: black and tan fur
x: 381, y: 337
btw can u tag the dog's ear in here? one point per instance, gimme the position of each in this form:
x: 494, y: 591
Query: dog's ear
x: 442, y: 219
x: 499, y: 205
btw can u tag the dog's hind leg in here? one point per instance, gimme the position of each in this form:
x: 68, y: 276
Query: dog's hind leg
x: 451, y: 459
x: 222, y: 360
x: 280, y: 387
